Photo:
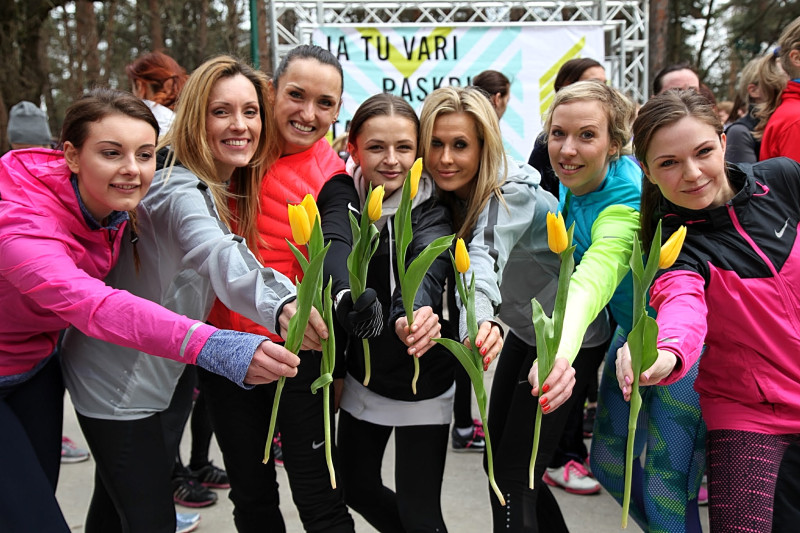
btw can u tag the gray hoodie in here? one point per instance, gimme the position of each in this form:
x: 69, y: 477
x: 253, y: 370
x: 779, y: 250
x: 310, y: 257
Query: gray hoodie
x: 188, y: 257
x: 512, y: 261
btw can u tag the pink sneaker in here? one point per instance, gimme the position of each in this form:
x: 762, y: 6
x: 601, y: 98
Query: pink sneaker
x: 702, y: 495
x: 573, y: 478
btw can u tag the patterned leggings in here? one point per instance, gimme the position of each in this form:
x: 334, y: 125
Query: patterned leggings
x: 742, y: 471
x: 664, y: 492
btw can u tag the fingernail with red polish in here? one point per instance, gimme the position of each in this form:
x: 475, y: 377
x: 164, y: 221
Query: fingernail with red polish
x: 546, y: 387
x: 545, y: 408
x: 543, y: 400
x: 478, y: 343
x: 483, y: 351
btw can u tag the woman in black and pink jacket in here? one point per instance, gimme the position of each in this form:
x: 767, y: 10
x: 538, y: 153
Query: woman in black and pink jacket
x: 734, y: 288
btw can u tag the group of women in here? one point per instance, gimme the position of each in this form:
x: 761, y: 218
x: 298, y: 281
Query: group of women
x: 84, y: 243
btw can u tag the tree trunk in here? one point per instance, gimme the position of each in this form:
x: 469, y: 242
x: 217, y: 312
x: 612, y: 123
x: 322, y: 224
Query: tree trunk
x: 87, y: 33
x: 659, y: 38
x: 264, y: 42
x: 156, y: 31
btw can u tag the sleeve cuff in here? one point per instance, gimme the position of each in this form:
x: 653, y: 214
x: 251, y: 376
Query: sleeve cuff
x: 228, y: 353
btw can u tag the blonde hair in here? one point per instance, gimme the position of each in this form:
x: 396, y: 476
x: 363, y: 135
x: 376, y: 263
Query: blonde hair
x: 189, y: 145
x: 619, y: 110
x: 473, y: 102
x: 788, y: 42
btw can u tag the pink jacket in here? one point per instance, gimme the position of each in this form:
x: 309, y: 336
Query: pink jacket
x: 51, y: 270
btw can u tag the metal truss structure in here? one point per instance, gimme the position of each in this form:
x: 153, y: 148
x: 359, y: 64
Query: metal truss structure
x: 625, y: 23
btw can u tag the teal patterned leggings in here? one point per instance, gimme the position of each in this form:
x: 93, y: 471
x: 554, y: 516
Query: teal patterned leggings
x: 664, y: 492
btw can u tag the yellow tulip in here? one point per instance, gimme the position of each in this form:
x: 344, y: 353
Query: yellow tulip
x: 375, y: 207
x: 310, y: 206
x: 671, y: 248
x: 462, y: 256
x: 557, y: 238
x: 298, y: 220
x: 414, y: 175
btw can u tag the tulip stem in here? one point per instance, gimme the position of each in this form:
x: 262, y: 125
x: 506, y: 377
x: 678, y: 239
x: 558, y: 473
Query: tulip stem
x: 273, y: 417
x: 636, y: 404
x: 536, y: 430
x: 367, y: 362
x: 489, y: 461
x: 326, y: 402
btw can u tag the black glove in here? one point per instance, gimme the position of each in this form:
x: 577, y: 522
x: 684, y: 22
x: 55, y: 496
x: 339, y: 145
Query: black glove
x: 362, y: 318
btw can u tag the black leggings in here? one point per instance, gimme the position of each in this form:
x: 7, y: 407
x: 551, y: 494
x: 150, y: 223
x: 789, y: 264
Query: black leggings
x: 30, y: 452
x: 240, y: 419
x: 420, y: 453
x: 133, y: 467
x: 512, y: 410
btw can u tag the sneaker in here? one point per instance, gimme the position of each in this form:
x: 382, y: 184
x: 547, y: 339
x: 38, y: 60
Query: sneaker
x: 573, y: 478
x: 474, y: 442
x: 212, y: 477
x: 185, y: 522
x: 188, y: 492
x: 588, y: 421
x: 71, y: 453
x: 277, y: 450
x: 702, y: 495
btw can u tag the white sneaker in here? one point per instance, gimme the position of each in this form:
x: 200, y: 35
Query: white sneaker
x: 186, y: 522
x: 573, y: 478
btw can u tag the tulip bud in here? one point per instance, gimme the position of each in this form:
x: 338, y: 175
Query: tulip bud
x: 310, y: 206
x: 414, y: 175
x: 462, y: 256
x: 557, y: 238
x: 298, y: 220
x: 671, y: 248
x: 375, y: 207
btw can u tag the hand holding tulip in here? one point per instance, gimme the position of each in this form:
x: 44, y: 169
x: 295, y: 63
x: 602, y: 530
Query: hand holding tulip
x: 315, y: 330
x: 419, y: 336
x: 557, y: 387
x: 489, y: 342
x: 663, y: 367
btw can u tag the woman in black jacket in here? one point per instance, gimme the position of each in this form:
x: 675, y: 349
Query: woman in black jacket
x: 383, y: 146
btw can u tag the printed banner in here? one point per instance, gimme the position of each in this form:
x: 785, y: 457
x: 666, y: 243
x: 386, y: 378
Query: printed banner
x: 413, y: 61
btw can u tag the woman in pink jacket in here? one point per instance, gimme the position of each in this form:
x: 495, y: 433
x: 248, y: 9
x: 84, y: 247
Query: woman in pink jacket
x: 61, y: 219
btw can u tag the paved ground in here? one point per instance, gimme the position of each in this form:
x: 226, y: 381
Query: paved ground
x: 464, y: 498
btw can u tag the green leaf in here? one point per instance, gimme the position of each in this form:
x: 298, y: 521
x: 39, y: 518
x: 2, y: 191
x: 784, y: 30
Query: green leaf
x: 654, y: 258
x: 467, y: 358
x: 564, y: 278
x: 419, y: 267
x: 328, y: 360
x: 542, y: 327
x: 650, y: 342
x: 321, y: 381
x: 298, y: 255
x: 637, y: 271
x: 635, y: 345
x: 306, y: 293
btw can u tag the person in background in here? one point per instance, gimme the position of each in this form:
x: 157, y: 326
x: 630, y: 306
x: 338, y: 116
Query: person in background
x: 578, y: 69
x: 157, y: 79
x: 676, y: 76
x: 497, y: 87
x: 725, y: 111
x: 742, y: 146
x: 782, y: 132
x: 28, y: 128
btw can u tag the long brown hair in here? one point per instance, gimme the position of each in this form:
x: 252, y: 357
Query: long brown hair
x: 663, y: 110
x: 188, y: 142
x: 771, y: 82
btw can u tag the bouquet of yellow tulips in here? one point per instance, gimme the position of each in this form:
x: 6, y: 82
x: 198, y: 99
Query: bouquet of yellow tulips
x: 471, y: 358
x: 643, y: 338
x: 411, y: 277
x: 548, y: 330
x: 365, y: 243
x: 306, y: 230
